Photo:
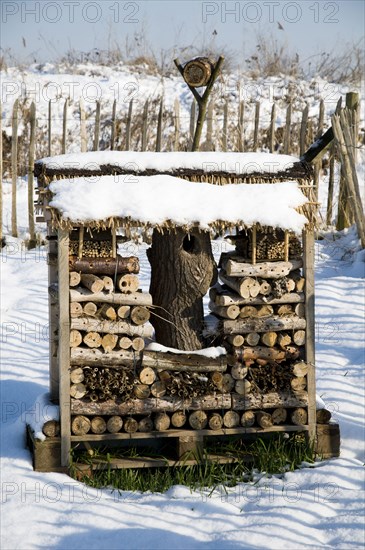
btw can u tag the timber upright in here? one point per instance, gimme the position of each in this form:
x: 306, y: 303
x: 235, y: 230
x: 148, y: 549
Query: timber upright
x: 132, y: 368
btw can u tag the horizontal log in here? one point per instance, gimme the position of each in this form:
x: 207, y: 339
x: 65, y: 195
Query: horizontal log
x: 242, y: 326
x: 229, y: 312
x: 90, y: 324
x: 157, y: 360
x: 131, y: 299
x: 150, y: 405
x: 269, y: 400
x: 208, y: 402
x: 224, y: 297
x: 104, y: 266
x: 241, y: 355
x: 239, y: 267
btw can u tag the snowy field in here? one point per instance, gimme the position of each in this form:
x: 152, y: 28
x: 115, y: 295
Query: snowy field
x: 318, y: 506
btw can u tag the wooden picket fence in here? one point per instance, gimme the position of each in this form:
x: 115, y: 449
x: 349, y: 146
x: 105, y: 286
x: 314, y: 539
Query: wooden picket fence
x: 228, y: 127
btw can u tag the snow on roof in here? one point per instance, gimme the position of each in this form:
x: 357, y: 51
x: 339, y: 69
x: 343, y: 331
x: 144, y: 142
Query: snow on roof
x: 167, y: 201
x: 137, y: 162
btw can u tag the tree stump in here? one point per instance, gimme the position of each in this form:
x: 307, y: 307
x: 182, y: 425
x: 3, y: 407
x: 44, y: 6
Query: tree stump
x: 182, y: 270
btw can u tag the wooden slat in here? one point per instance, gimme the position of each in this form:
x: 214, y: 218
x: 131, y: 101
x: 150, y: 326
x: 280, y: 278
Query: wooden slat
x: 32, y: 124
x: 113, y: 123
x: 64, y: 127
x: 64, y: 346
x: 14, y: 168
x: 97, y: 127
x: 83, y: 134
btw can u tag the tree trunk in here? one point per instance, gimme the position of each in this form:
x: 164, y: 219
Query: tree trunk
x: 182, y: 270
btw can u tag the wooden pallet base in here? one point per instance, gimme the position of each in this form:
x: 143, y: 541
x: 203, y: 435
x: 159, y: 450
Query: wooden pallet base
x: 186, y: 447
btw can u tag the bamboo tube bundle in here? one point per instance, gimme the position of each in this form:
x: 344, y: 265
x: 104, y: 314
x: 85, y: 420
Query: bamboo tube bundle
x: 270, y: 244
x: 101, y: 383
x: 92, y: 248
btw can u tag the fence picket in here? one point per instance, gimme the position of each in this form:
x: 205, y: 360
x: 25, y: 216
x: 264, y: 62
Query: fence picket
x: 159, y: 127
x: 14, y: 168
x: 177, y: 124
x: 144, y: 126
x: 64, y: 127
x: 256, y: 129
x: 287, y: 140
x: 128, y: 127
x: 50, y: 128
x: 83, y: 134
x: 32, y: 124
x: 113, y: 123
x: 303, y: 131
x: 241, y: 128
x: 97, y: 127
x: 272, y: 129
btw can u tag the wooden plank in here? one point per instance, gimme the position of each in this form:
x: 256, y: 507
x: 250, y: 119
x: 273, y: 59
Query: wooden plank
x: 53, y: 315
x: 188, y: 433
x: 241, y: 127
x: 210, y: 120
x: 225, y: 126
x: 64, y: 345
x: 90, y: 324
x: 31, y: 155
x: 192, y: 123
x: 303, y: 130
x: 14, y: 168
x: 308, y: 271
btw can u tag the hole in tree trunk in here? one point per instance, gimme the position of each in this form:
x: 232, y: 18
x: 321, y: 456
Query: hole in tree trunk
x: 188, y: 243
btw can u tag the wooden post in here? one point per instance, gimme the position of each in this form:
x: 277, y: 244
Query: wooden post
x: 331, y: 183
x: 113, y: 121
x: 177, y: 124
x: 97, y: 127
x: 159, y: 127
x: 287, y: 130
x: 14, y: 168
x: 308, y: 272
x: 303, y: 130
x: 64, y: 127
x: 272, y: 129
x: 144, y: 126
x: 83, y: 135
x: 1, y: 177
x: 64, y: 345
x: 257, y: 123
x: 128, y: 127
x: 320, y: 119
x: 286, y: 246
x: 32, y: 123
x: 254, y: 242
x: 225, y: 126
x: 241, y: 129
x: 50, y: 128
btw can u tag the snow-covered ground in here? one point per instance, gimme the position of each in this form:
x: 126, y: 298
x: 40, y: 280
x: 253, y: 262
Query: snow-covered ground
x: 320, y: 506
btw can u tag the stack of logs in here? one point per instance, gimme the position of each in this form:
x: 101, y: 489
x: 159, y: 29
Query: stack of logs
x: 107, y: 311
x: 260, y: 307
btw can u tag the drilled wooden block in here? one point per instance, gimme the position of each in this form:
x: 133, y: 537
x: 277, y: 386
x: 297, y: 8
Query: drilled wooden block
x: 328, y: 440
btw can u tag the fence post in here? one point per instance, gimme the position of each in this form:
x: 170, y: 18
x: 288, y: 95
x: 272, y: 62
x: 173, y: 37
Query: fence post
x: 1, y: 177
x: 159, y: 127
x: 177, y: 124
x: 128, y: 127
x: 32, y: 122
x: 331, y: 183
x: 272, y: 129
x: 14, y: 168
x: 241, y: 128
x: 83, y: 134
x: 64, y: 127
x: 303, y: 131
x: 209, y: 135
x: 320, y: 119
x: 97, y: 126
x: 225, y: 126
x: 144, y: 126
x: 257, y: 123
x: 112, y: 134
x: 50, y: 128
x: 287, y: 130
